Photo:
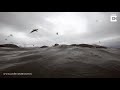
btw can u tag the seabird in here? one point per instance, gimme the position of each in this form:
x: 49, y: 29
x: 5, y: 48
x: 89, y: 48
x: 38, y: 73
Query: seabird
x: 57, y: 33
x: 99, y: 42
x: 34, y: 30
x: 11, y: 35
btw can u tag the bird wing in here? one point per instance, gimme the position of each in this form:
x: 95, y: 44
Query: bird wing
x: 31, y: 31
x: 34, y: 30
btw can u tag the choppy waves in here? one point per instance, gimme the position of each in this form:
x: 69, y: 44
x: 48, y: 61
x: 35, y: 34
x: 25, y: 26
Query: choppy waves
x: 60, y: 62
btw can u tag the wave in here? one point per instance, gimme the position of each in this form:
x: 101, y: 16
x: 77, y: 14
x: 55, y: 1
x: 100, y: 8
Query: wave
x: 61, y: 62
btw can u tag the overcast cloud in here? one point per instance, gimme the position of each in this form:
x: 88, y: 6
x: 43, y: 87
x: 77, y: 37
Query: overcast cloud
x: 73, y: 27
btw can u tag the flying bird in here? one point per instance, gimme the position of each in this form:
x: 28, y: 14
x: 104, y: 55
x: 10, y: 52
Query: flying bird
x: 57, y: 33
x: 11, y: 35
x: 34, y: 30
x: 99, y: 42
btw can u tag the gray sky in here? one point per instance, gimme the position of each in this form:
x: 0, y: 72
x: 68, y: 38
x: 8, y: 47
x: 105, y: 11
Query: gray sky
x: 73, y: 27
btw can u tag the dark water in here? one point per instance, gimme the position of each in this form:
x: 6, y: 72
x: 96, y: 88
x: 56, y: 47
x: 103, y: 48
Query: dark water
x: 60, y: 62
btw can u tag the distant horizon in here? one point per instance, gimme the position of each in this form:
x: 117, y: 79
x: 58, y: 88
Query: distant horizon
x: 58, y: 44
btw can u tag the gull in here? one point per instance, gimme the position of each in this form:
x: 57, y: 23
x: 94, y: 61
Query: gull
x: 34, y: 30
